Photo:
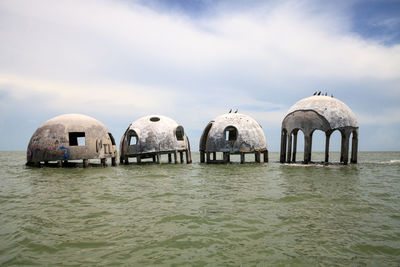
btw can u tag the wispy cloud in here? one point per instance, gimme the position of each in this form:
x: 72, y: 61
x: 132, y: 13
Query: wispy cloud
x: 124, y: 58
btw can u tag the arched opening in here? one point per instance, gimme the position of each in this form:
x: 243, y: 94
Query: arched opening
x: 318, y: 146
x: 179, y: 133
x: 230, y: 133
x: 133, y: 138
x: 203, y: 139
x: 335, y: 140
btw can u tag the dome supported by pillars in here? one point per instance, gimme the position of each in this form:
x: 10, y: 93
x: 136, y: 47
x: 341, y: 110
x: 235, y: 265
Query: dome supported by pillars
x: 232, y: 133
x: 153, y: 136
x: 71, y: 137
x: 323, y: 113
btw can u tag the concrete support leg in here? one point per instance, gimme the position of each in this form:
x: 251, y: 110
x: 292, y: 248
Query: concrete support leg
x: 154, y: 159
x: 208, y: 157
x: 214, y: 156
x: 85, y: 163
x: 266, y: 156
x: 37, y: 164
x: 242, y: 158
x: 138, y: 159
x: 59, y: 163
x: 104, y: 162
x: 158, y: 156
x: 126, y: 160
x: 175, y: 158
x: 354, y: 149
x: 258, y: 156
x: 283, y: 147
x: 187, y: 156
x: 328, y: 136
x: 289, y: 150
x: 190, y: 156
x: 202, y: 156
x: 169, y: 158
x: 307, y: 148
x: 181, y: 156
x: 46, y: 162
x: 114, y: 161
x: 346, y: 150
x: 342, y: 148
x: 294, y: 147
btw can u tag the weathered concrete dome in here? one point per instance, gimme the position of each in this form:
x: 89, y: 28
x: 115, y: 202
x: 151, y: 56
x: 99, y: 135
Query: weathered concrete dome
x: 323, y: 113
x: 334, y: 111
x: 71, y: 137
x: 151, y: 136
x: 233, y: 133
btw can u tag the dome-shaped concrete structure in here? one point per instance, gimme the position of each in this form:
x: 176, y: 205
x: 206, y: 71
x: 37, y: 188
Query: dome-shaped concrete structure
x: 152, y: 136
x: 71, y: 137
x: 323, y: 113
x: 233, y: 133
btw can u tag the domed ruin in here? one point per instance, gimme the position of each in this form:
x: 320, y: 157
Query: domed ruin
x: 153, y: 136
x: 232, y: 133
x: 71, y: 137
x: 323, y: 113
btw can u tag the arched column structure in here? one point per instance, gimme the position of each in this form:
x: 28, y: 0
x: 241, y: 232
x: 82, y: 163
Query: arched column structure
x: 232, y: 133
x: 318, y: 113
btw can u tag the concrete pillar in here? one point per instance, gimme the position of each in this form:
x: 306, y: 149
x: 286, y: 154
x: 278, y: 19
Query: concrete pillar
x: 202, y: 156
x: 289, y: 151
x: 59, y: 163
x: 181, y: 156
x: 258, y: 156
x: 190, y: 156
x: 158, y: 157
x: 342, y: 147
x: 187, y: 156
x: 126, y: 160
x: 138, y: 159
x: 85, y: 163
x: 46, y: 162
x: 114, y: 161
x: 294, y: 146
x: 208, y: 157
x: 175, y: 158
x: 104, y: 162
x: 354, y: 147
x: 169, y: 158
x: 283, y: 146
x: 328, y: 137
x: 242, y: 157
x: 154, y: 159
x: 215, y: 155
x: 307, y: 147
x: 346, y: 150
x: 266, y: 156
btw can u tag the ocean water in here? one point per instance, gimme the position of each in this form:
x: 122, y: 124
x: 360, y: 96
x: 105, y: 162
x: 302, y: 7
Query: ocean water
x: 199, y: 215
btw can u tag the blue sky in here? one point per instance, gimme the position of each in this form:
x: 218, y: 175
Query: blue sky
x: 194, y: 60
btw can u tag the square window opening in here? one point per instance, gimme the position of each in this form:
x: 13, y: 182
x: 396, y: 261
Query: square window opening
x: 77, y: 139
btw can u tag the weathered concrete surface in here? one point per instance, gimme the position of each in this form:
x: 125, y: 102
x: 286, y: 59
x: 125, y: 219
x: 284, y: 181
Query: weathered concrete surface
x: 154, y: 135
x: 247, y: 137
x: 51, y: 141
x: 323, y: 113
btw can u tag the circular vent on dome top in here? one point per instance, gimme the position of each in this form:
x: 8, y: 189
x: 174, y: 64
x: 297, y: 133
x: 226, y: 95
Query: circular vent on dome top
x: 154, y: 119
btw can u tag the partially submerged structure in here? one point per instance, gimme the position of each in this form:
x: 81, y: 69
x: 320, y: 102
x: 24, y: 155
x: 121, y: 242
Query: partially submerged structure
x: 232, y: 133
x: 71, y: 137
x: 323, y: 113
x: 152, y: 136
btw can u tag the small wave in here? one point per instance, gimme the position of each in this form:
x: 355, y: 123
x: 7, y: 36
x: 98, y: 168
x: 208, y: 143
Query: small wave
x: 394, y: 161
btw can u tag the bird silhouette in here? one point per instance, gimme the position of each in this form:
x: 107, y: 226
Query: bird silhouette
x: 236, y: 111
x: 326, y: 94
x: 315, y: 93
x: 319, y: 93
x: 230, y: 111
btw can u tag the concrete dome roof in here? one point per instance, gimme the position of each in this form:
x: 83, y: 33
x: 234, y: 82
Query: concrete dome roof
x: 156, y: 133
x: 250, y: 136
x: 60, y: 135
x: 337, y: 113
